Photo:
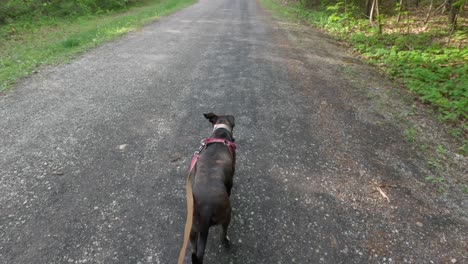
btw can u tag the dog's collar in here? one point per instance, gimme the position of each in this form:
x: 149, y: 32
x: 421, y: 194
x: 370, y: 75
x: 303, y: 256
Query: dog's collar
x: 217, y: 126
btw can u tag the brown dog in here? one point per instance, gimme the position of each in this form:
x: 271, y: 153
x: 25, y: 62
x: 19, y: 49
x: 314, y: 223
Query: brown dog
x: 212, y: 178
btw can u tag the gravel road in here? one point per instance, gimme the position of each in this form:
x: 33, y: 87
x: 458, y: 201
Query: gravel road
x: 94, y: 154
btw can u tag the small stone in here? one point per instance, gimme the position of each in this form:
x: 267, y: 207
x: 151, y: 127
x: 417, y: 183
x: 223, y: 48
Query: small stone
x: 123, y: 146
x: 454, y: 260
x: 419, y: 224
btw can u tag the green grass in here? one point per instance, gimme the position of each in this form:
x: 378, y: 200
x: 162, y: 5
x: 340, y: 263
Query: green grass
x: 29, y: 44
x: 437, y: 181
x: 411, y: 134
x: 436, y: 72
x: 465, y: 188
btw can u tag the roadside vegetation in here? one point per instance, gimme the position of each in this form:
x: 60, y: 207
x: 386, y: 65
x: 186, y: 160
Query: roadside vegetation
x: 44, y: 32
x: 422, y: 44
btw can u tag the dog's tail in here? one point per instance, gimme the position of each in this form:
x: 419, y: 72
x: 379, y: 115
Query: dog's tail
x: 202, y: 238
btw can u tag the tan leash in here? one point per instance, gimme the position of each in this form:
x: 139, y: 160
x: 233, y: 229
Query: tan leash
x: 188, y: 222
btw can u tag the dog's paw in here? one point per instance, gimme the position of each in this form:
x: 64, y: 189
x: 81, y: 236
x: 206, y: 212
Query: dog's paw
x: 194, y: 258
x: 226, y: 242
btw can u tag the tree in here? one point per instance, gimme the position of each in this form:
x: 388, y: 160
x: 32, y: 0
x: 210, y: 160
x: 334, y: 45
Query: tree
x: 454, y: 7
x: 375, y: 7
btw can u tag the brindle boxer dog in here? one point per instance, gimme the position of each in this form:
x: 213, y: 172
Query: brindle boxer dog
x: 212, y: 178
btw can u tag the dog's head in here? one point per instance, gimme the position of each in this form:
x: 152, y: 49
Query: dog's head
x: 226, y: 120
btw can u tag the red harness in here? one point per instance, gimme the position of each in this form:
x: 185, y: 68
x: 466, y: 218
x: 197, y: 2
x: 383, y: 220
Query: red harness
x: 205, y: 142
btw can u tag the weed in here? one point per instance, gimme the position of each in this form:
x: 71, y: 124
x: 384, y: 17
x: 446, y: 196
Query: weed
x: 410, y: 134
x: 437, y: 181
x: 463, y: 149
x: 465, y: 188
x: 434, y: 179
x: 431, y: 161
x: 442, y: 189
x: 441, y: 150
x: 455, y: 132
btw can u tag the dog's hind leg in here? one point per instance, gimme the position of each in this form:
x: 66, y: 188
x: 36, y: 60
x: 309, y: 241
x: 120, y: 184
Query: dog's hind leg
x: 202, y: 238
x: 193, y: 241
x: 228, y: 185
x: 224, y: 238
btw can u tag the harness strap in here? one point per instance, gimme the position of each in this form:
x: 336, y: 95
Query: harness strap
x: 231, y: 145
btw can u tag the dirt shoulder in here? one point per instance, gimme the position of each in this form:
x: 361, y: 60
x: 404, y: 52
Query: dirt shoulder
x: 404, y: 172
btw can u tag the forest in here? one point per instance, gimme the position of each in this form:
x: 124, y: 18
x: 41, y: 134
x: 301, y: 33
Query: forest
x: 422, y: 44
x: 372, y: 9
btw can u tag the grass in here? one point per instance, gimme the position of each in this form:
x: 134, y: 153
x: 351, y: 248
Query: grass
x: 411, y: 134
x: 441, y: 150
x: 27, y: 45
x: 438, y: 182
x: 465, y: 188
x: 426, y: 59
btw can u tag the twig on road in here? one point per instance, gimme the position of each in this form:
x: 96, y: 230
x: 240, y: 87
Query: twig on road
x: 382, y: 193
x: 176, y: 159
x: 379, y: 187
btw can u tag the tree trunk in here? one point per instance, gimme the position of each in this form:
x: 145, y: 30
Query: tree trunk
x: 371, y: 14
x: 368, y: 7
x: 429, y: 13
x: 379, y: 22
x: 400, y: 8
x: 453, y: 12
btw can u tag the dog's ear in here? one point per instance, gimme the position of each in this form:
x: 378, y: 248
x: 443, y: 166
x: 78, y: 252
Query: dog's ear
x: 231, y: 120
x: 212, y: 117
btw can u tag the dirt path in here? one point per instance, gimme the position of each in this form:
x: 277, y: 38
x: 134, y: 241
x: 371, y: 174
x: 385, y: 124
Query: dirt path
x: 94, y: 153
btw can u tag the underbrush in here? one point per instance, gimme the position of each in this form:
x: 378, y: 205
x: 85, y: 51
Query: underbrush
x: 16, y: 10
x: 437, y: 74
x: 428, y: 59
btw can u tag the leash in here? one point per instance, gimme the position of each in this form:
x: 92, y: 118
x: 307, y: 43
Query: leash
x: 189, y: 220
x: 189, y: 194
